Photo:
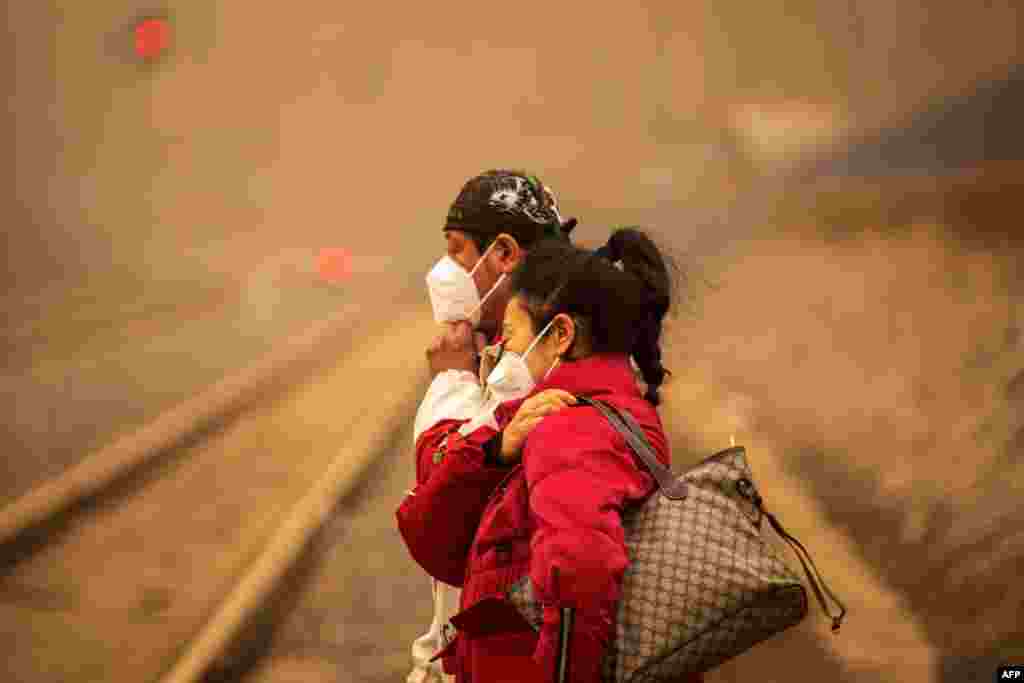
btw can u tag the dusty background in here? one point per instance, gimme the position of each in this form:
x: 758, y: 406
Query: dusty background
x: 860, y: 324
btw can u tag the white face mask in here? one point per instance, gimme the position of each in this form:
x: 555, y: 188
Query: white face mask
x: 452, y: 291
x: 511, y: 379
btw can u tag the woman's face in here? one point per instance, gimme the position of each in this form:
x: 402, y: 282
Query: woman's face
x: 518, y: 333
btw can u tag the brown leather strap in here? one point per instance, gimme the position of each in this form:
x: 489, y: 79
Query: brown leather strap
x: 801, y: 552
x: 624, y: 423
x: 745, y: 488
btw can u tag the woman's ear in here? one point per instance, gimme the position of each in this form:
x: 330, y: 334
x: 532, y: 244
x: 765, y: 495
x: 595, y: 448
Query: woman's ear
x: 565, y: 334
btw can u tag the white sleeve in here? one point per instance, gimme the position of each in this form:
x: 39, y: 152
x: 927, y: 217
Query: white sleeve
x: 485, y: 416
x: 446, y: 605
x: 453, y: 395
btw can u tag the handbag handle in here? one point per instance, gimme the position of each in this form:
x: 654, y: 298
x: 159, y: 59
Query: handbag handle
x: 626, y: 425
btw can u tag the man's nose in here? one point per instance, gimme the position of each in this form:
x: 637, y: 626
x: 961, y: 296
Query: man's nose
x: 462, y: 329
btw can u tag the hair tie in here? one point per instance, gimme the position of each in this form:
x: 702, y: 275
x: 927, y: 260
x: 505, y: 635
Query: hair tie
x: 608, y: 254
x: 610, y: 250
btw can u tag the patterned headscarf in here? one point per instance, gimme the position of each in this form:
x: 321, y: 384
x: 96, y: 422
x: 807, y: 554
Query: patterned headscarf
x: 513, y: 202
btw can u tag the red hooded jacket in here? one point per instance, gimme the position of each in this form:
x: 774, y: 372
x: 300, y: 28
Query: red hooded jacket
x: 554, y: 517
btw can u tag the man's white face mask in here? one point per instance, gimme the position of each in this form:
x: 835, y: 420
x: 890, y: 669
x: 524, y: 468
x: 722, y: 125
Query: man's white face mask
x: 453, y: 293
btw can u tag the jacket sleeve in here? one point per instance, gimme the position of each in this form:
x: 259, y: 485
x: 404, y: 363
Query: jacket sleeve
x: 453, y: 395
x: 438, y: 520
x: 578, y: 555
x: 431, y: 446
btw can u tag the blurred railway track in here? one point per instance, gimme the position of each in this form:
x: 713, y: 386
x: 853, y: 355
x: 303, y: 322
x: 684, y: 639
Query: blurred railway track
x: 85, y: 379
x: 144, y: 560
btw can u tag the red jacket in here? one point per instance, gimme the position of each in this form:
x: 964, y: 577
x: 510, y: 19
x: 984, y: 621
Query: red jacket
x: 554, y: 517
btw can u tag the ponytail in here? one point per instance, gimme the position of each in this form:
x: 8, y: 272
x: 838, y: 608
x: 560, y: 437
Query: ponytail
x: 641, y: 258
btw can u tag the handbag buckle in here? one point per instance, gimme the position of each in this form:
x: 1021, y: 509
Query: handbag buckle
x: 746, y: 489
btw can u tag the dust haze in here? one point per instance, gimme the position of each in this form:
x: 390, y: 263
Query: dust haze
x: 162, y: 225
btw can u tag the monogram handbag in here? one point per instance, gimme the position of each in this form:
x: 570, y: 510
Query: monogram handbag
x: 703, y: 584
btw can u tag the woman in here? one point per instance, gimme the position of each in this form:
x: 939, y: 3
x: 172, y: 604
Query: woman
x: 534, y: 507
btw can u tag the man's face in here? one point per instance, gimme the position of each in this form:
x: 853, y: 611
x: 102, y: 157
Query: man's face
x: 502, y: 257
x: 461, y: 247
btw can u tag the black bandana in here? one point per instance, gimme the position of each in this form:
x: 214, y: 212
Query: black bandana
x: 508, y: 201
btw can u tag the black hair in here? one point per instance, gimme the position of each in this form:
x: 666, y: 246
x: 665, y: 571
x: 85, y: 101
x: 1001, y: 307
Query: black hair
x: 481, y: 241
x: 623, y: 309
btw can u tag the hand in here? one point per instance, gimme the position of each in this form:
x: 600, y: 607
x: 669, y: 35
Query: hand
x: 489, y: 356
x: 456, y: 348
x: 529, y: 415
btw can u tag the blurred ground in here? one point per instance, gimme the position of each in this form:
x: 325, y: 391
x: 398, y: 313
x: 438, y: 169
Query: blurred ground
x: 119, y: 589
x: 353, y: 621
x: 111, y: 372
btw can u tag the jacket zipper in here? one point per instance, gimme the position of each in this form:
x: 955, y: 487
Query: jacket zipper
x: 502, y: 485
x: 564, y: 637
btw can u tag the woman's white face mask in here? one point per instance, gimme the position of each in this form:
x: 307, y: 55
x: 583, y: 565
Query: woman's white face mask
x: 508, y: 380
x: 511, y: 379
x: 453, y: 293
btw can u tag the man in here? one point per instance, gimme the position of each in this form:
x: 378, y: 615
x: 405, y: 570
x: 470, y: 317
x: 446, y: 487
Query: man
x: 495, y: 219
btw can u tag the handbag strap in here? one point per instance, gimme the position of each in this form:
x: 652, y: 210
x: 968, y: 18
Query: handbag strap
x: 746, y: 489
x: 800, y: 551
x: 626, y: 425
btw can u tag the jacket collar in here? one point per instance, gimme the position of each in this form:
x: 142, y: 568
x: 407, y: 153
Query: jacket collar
x: 597, y: 375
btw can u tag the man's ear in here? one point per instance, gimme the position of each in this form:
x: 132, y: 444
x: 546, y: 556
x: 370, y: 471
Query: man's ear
x: 510, y: 254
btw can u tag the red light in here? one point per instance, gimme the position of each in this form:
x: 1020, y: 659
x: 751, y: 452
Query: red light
x: 152, y: 38
x: 334, y: 264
